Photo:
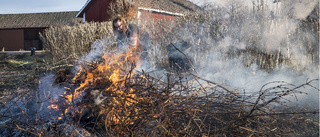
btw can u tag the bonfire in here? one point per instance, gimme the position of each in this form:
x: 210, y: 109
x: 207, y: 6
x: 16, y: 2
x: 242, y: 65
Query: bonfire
x: 111, y: 97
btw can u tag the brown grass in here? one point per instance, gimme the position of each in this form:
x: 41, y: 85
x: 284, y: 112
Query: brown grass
x: 66, y: 44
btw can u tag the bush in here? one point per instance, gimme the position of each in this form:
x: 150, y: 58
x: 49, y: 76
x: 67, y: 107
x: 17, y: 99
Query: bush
x: 65, y: 44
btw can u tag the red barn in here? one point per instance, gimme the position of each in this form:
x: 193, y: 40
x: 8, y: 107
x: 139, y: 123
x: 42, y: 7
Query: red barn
x: 102, y: 10
x: 21, y: 31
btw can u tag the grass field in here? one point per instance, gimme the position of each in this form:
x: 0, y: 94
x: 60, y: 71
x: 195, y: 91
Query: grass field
x: 20, y: 72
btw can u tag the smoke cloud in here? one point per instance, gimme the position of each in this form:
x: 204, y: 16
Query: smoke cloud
x: 272, y: 32
x: 299, y: 9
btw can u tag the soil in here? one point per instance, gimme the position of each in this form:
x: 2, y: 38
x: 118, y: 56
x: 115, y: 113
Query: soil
x: 20, y: 73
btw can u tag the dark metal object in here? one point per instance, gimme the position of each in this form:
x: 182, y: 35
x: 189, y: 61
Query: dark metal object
x: 33, y: 51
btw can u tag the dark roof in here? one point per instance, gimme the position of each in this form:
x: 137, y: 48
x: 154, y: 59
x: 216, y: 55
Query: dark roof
x: 38, y: 20
x: 175, y: 6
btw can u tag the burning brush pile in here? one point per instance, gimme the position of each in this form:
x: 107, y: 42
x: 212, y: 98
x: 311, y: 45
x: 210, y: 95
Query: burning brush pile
x: 109, y: 97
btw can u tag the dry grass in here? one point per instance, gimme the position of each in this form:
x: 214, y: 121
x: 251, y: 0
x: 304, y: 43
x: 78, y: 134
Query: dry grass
x: 68, y: 43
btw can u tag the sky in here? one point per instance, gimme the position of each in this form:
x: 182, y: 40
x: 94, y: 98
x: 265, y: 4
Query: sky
x: 39, y: 6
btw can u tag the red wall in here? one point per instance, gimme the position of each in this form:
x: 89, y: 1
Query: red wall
x: 157, y: 16
x: 11, y: 39
x: 156, y: 24
x: 20, y: 39
x: 160, y: 21
x: 98, y: 11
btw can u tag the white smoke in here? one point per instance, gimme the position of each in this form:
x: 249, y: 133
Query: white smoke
x: 99, y: 47
x: 275, y: 33
x: 299, y: 9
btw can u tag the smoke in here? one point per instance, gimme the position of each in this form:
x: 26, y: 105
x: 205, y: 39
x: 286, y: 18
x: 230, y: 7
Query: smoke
x: 272, y: 35
x: 271, y: 32
x: 299, y: 9
x: 99, y: 48
x: 49, y: 92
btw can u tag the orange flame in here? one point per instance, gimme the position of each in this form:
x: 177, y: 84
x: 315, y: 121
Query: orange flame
x: 111, y: 72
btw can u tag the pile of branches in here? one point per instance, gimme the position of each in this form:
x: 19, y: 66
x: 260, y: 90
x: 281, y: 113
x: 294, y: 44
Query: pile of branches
x: 181, y: 104
x: 184, y: 104
x: 151, y: 107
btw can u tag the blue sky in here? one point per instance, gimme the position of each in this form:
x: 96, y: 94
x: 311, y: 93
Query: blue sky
x: 37, y: 6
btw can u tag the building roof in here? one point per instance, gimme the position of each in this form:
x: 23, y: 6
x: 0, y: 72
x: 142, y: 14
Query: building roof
x: 169, y: 6
x: 175, y: 6
x: 38, y: 20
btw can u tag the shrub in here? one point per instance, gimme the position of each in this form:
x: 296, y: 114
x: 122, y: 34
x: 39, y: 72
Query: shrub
x: 68, y: 43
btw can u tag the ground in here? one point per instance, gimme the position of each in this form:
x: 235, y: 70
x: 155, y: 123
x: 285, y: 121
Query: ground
x: 20, y: 72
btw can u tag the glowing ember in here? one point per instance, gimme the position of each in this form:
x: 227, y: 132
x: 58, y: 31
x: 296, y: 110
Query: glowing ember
x: 53, y: 106
x: 52, y: 100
